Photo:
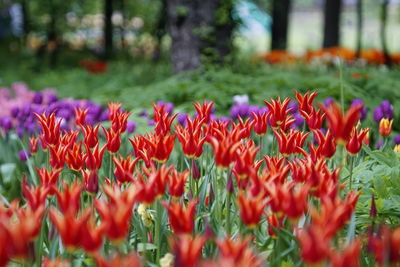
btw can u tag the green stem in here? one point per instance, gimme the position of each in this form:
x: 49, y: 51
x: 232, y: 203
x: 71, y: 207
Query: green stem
x: 351, y: 171
x: 158, y: 230
x: 39, y: 245
x: 228, y: 214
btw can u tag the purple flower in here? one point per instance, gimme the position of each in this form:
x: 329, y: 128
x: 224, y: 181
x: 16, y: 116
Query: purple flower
x: 396, y: 139
x: 384, y: 110
x: 328, y: 101
x: 131, y: 126
x: 51, y: 98
x: 224, y: 119
x: 182, y: 118
x: 298, y: 120
x: 169, y: 107
x: 364, y: 110
x: 14, y: 112
x: 379, y: 144
x: 23, y: 155
x: 151, y: 122
x: 6, y: 123
x: 144, y: 113
x: 37, y: 98
x: 293, y: 106
x: 234, y: 112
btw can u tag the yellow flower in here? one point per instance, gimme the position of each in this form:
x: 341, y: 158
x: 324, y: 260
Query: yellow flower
x: 385, y: 127
x: 397, y: 148
x: 167, y: 260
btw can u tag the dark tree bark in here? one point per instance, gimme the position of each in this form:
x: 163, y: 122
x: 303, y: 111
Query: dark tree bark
x: 224, y: 32
x: 384, y: 17
x: 108, y: 29
x: 25, y: 20
x: 359, y: 27
x: 195, y: 31
x: 160, y: 29
x: 280, y: 24
x: 332, y: 15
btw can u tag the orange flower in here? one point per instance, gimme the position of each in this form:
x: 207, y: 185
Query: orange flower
x: 119, y: 122
x: 349, y: 257
x: 113, y: 108
x: 187, y: 249
x: 57, y: 156
x: 141, y: 149
x: 224, y: 150
x: 74, y: 157
x: 191, y: 138
x: 35, y: 196
x: 243, y: 128
x: 251, y: 208
x: 48, y: 178
x: 278, y: 114
x: 204, y: 111
x: 80, y: 116
x: 163, y: 120
x: 55, y: 262
x: 50, y: 128
x: 314, y: 119
x: 306, y: 101
x: 340, y: 125
x: 274, y: 222
x: 93, y: 159
x: 152, y: 187
x: 287, y: 198
x: 245, y: 160
x: 124, y: 168
x: 113, y: 140
x: 261, y: 123
x: 326, y: 144
x: 334, y: 213
x: 91, y: 181
x: 314, y: 245
x: 176, y: 182
x: 69, y: 198
x: 292, y: 142
x: 181, y: 218
x: 238, y: 252
x: 18, y: 228
x: 356, y: 140
x: 385, y: 127
x: 160, y: 146
x: 70, y: 226
x: 92, y: 236
x: 385, y: 245
x: 130, y: 260
x: 90, y: 135
x: 117, y: 212
x: 33, y: 145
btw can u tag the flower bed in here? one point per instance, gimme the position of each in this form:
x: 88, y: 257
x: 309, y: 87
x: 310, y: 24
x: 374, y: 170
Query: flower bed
x: 207, y: 191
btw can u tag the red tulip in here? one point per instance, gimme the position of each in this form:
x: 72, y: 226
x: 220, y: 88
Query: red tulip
x: 181, y: 218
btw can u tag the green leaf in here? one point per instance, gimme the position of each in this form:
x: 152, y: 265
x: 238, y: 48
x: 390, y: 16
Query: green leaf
x: 7, y: 170
x: 145, y: 246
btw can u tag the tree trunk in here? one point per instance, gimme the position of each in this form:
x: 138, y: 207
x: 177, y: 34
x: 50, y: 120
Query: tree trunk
x: 196, y: 31
x: 224, y: 31
x: 332, y: 23
x: 384, y: 17
x: 280, y: 24
x: 160, y: 30
x: 108, y: 29
x: 359, y: 27
x: 25, y: 22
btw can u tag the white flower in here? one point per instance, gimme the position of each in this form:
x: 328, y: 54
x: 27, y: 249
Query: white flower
x: 241, y: 100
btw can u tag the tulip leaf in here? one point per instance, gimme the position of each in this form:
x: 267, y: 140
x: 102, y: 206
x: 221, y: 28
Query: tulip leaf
x: 7, y: 170
x: 145, y: 246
